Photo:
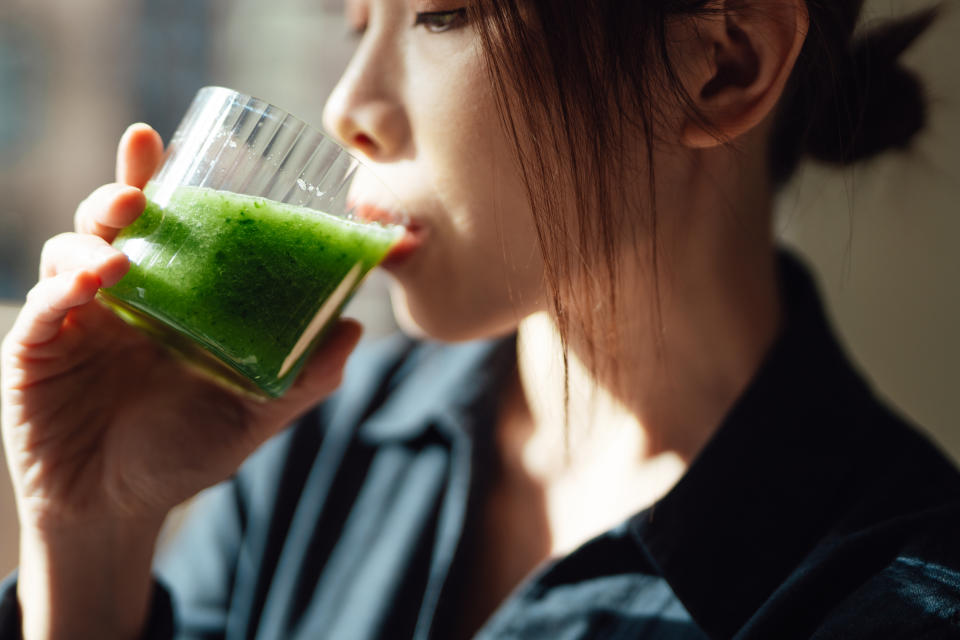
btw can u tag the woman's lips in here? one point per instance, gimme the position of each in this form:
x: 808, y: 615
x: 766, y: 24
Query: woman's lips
x: 413, y: 236
x: 411, y: 240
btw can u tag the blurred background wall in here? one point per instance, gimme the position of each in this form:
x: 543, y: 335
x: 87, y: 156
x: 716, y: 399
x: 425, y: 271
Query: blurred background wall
x: 73, y: 75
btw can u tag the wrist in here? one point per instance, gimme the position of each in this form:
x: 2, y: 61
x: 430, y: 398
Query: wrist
x: 90, y: 580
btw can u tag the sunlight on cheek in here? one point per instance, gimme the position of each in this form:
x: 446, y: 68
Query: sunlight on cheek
x: 453, y: 113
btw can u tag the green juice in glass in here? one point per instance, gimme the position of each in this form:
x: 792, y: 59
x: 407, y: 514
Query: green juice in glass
x: 240, y: 285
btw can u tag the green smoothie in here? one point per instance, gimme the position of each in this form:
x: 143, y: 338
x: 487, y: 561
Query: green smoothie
x: 250, y: 281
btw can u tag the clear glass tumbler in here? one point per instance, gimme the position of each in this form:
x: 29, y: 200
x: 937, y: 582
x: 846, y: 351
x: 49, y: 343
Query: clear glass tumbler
x: 257, y: 231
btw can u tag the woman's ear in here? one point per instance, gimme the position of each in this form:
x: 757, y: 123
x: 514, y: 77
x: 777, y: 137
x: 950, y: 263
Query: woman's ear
x: 745, y: 53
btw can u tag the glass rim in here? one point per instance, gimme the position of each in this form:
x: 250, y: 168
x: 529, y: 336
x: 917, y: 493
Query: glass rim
x: 333, y: 150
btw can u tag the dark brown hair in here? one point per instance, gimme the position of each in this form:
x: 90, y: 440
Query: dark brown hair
x: 576, y: 79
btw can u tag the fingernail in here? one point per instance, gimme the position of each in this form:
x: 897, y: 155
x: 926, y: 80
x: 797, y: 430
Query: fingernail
x: 135, y: 125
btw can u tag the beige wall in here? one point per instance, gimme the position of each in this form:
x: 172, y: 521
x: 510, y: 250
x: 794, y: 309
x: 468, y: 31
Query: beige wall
x: 885, y: 241
x: 8, y: 514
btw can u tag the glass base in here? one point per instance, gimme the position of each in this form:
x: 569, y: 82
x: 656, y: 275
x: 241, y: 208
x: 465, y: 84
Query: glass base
x: 186, y: 349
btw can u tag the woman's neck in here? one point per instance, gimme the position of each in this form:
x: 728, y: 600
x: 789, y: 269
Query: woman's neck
x: 673, y: 378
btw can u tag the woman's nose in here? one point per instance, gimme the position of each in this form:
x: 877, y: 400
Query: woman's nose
x: 363, y: 115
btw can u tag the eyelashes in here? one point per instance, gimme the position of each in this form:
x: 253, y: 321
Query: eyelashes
x: 440, y: 21
x: 432, y: 21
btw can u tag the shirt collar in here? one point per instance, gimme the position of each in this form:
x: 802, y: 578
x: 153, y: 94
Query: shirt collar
x: 451, y: 386
x: 752, y: 504
x: 768, y: 484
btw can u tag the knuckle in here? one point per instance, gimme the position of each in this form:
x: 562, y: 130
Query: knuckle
x: 78, y: 218
x: 332, y: 379
x: 107, y: 189
x: 10, y: 350
x: 46, y: 252
x: 8, y: 355
x: 52, y: 246
x: 97, y: 198
x: 61, y: 237
x: 81, y: 214
x: 35, y: 292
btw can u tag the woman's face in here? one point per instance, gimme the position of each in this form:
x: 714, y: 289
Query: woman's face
x: 416, y: 101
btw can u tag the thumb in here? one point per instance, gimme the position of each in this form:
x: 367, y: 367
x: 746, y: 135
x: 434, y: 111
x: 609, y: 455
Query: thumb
x: 139, y: 154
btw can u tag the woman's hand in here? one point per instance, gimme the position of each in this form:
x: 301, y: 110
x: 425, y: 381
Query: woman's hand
x: 104, y: 432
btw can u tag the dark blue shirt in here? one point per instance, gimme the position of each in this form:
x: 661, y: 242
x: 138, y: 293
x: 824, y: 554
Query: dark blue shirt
x: 813, y: 512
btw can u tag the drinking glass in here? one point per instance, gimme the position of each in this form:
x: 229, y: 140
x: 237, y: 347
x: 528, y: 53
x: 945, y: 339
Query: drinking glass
x: 257, y: 231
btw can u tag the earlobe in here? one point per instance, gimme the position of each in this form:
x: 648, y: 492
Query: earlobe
x: 751, y: 51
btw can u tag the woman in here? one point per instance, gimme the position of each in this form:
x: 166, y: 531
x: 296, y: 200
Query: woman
x: 671, y: 446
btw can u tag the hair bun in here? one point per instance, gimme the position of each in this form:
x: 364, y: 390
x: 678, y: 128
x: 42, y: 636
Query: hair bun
x: 878, y: 104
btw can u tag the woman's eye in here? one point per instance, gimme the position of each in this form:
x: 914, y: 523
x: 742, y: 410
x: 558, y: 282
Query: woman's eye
x: 439, y: 21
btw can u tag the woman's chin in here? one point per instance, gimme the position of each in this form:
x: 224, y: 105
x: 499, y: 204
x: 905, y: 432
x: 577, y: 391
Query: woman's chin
x: 439, y: 322
x: 401, y: 313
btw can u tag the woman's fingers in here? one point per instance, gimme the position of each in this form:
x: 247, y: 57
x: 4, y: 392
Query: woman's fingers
x: 109, y: 209
x: 138, y: 155
x: 319, y: 378
x: 80, y: 251
x: 324, y: 370
x: 114, y: 206
x: 48, y: 303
